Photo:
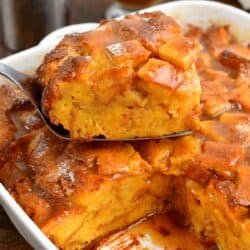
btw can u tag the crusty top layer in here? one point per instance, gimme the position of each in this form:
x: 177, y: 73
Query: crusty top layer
x: 117, y: 50
x: 149, y: 29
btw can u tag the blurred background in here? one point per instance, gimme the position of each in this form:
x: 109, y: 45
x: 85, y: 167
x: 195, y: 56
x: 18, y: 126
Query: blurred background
x: 23, y: 23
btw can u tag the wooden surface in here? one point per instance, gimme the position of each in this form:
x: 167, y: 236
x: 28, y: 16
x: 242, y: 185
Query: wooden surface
x: 80, y: 11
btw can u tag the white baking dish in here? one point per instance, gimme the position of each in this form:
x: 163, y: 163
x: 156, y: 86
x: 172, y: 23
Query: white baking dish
x: 200, y: 13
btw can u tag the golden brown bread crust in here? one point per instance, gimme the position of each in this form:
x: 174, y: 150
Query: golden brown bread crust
x: 150, y: 29
x: 120, y: 67
x: 234, y: 55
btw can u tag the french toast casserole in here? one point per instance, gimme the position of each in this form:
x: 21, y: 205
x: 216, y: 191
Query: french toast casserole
x: 128, y: 78
x: 112, y: 195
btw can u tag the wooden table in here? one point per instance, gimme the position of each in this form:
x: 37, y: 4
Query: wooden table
x: 80, y: 11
